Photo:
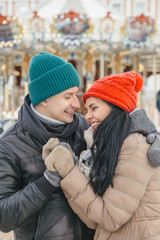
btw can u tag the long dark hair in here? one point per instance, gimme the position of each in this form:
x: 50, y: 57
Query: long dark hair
x: 108, y: 139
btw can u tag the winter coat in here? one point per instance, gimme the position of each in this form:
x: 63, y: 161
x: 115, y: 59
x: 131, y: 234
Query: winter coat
x: 131, y: 209
x: 29, y: 204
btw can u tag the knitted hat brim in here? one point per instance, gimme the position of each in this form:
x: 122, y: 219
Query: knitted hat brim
x: 118, y: 89
x: 56, y: 81
x: 110, y: 99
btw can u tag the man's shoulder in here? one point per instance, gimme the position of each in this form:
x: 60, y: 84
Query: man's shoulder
x: 17, y: 142
x: 8, y: 140
x: 12, y: 130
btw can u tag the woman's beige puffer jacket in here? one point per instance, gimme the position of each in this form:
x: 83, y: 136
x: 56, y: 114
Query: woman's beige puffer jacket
x: 131, y: 209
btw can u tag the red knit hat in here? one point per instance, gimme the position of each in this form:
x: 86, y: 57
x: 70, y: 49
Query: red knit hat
x: 119, y: 89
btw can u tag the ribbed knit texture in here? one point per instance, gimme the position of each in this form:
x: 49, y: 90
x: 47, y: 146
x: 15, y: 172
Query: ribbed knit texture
x: 50, y: 75
x: 119, y: 89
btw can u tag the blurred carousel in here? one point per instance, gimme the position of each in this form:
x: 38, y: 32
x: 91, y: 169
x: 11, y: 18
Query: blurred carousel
x: 96, y: 45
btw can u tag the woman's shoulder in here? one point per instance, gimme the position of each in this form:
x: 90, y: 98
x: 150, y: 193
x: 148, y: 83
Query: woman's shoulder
x: 134, y: 151
x: 135, y: 141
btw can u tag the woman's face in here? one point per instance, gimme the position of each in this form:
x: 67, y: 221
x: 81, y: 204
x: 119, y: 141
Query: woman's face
x: 96, y: 111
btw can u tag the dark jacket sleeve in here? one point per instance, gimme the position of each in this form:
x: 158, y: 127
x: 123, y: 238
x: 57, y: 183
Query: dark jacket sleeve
x: 17, y: 204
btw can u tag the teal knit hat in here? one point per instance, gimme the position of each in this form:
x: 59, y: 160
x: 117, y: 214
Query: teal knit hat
x: 50, y: 75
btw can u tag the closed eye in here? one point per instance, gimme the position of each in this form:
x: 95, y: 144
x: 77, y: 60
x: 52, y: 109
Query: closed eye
x: 94, y: 108
x: 67, y: 98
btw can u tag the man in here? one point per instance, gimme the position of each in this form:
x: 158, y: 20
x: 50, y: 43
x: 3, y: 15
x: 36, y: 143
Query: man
x: 29, y: 203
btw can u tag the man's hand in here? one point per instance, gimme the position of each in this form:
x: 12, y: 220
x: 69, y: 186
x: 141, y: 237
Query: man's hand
x: 60, y: 159
x: 49, y: 146
x: 47, y: 149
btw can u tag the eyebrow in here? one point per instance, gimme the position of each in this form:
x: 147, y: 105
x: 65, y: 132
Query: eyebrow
x: 70, y: 93
x: 91, y: 105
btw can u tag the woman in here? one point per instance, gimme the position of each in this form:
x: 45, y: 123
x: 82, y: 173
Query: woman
x: 121, y: 197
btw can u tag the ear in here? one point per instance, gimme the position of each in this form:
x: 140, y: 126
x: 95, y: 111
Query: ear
x: 44, y: 103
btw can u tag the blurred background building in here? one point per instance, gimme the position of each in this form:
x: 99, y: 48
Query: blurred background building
x: 98, y: 37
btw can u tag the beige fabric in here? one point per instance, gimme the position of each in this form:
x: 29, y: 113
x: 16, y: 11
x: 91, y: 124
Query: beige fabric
x: 88, y: 136
x: 130, y: 210
x: 47, y: 149
x: 61, y: 160
x: 58, y: 158
x: 49, y: 146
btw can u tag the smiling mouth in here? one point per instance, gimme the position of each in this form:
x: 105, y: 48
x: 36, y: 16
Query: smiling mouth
x: 70, y: 112
x: 95, y: 125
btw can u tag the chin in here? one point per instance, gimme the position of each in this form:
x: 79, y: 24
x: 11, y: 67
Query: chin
x: 67, y: 120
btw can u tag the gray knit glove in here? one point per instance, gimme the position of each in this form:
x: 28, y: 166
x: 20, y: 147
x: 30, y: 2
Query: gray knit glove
x: 154, y: 150
x: 53, y: 177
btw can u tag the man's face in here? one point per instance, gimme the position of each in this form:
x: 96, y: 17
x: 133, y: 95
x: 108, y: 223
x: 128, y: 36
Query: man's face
x: 62, y: 106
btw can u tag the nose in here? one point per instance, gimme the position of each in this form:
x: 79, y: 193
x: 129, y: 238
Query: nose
x: 88, y: 116
x: 75, y: 102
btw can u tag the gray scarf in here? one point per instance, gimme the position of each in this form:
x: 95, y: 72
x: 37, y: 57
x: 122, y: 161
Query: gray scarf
x: 142, y: 124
